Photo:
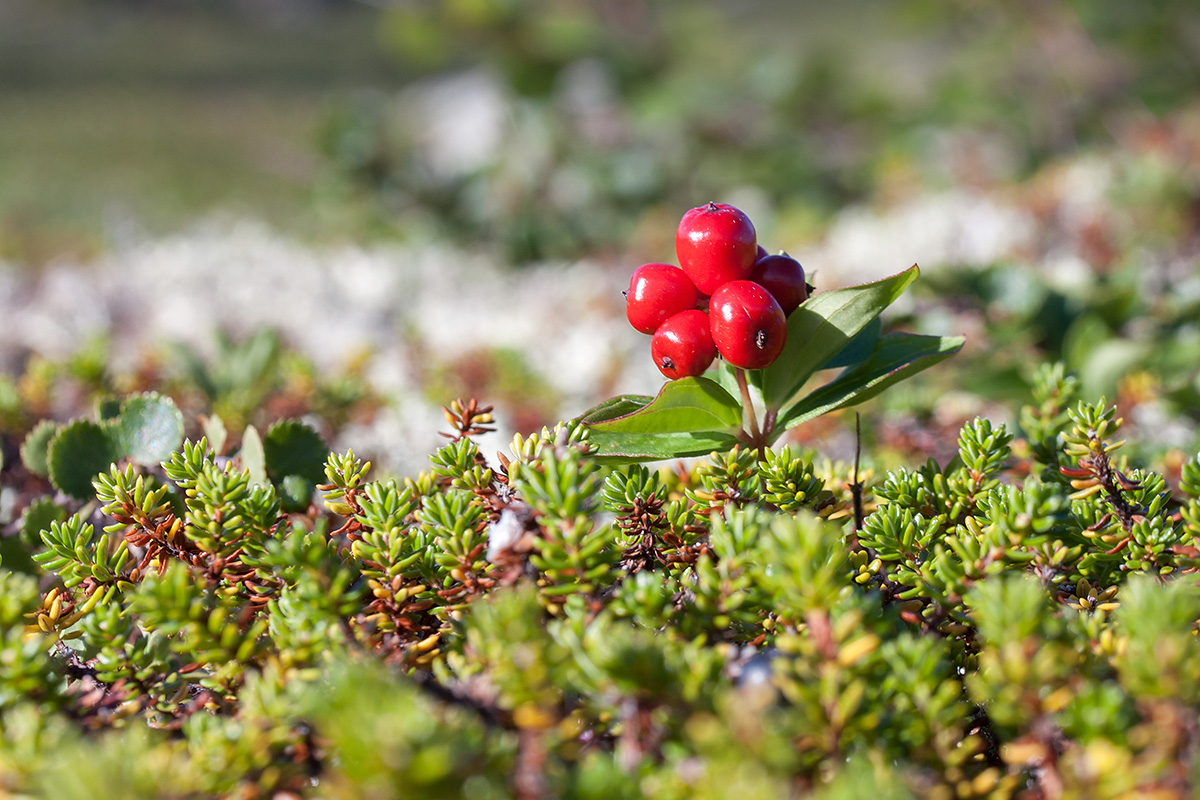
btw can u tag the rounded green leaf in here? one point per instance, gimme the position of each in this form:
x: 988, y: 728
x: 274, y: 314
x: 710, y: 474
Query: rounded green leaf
x: 295, y: 493
x: 38, y: 516
x: 16, y: 556
x: 78, y: 452
x: 149, y: 429
x: 293, y: 448
x: 36, y: 445
x: 108, y: 408
x: 17, y: 551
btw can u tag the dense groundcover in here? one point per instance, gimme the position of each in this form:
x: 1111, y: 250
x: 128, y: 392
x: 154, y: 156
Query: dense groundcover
x: 263, y: 618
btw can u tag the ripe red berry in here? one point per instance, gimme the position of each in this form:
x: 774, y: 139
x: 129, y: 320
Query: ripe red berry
x: 657, y: 291
x: 715, y: 244
x: 748, y: 326
x: 683, y: 345
x: 783, y: 277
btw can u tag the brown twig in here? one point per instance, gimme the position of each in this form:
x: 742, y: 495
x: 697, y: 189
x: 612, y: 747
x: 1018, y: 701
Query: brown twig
x: 467, y: 418
x: 855, y: 486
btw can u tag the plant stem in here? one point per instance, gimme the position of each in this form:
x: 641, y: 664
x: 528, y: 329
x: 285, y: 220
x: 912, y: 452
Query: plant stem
x: 748, y: 407
x: 768, y: 426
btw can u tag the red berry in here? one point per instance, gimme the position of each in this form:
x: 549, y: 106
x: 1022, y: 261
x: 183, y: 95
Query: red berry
x: 760, y: 254
x: 657, y: 291
x: 748, y: 326
x: 783, y: 277
x: 715, y: 244
x: 683, y: 345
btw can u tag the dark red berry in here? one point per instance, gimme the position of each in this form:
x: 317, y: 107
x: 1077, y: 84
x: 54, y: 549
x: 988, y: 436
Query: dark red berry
x: 748, y: 326
x: 760, y: 254
x: 657, y: 291
x: 715, y: 244
x: 683, y: 345
x: 783, y: 277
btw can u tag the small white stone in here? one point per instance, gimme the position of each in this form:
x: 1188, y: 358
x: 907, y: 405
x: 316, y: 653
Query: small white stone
x: 504, y: 533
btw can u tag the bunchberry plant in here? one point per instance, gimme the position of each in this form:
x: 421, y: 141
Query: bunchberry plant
x: 771, y: 333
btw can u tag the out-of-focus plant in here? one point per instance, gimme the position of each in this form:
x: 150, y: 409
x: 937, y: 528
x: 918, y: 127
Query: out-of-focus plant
x: 589, y: 118
x: 254, y: 380
x: 592, y: 120
x: 1053, y: 75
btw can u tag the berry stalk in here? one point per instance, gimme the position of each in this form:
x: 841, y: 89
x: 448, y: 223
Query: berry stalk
x: 758, y: 437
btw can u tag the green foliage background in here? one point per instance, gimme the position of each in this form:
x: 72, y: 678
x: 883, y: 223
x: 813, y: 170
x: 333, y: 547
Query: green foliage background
x: 810, y: 105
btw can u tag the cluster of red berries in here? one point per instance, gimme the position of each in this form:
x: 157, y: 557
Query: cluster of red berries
x: 727, y: 296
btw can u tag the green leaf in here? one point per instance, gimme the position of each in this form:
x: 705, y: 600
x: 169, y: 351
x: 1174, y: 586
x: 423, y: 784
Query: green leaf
x: 616, y: 407
x: 622, y: 448
x: 722, y: 373
x: 253, y: 458
x: 725, y: 374
x: 293, y: 448
x: 685, y: 405
x: 689, y: 417
x: 80, y: 451
x: 17, y: 551
x: 37, y: 518
x: 36, y: 445
x: 897, y: 356
x: 215, y: 432
x: 823, y: 327
x: 295, y: 493
x: 194, y: 368
x: 16, y: 556
x: 859, y: 348
x: 108, y: 407
x: 149, y: 429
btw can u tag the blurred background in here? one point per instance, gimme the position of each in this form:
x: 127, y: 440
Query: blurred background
x: 359, y: 211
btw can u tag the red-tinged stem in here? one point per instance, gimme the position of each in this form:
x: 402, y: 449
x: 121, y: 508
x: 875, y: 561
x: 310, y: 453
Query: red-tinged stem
x: 769, y: 423
x: 748, y: 407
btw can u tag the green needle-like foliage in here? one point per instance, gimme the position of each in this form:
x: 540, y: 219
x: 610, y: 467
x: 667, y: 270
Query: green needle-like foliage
x: 1019, y: 622
x: 790, y: 482
x: 1054, y: 391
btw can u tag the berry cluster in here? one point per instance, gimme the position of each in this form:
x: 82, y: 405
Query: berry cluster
x: 727, y: 296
